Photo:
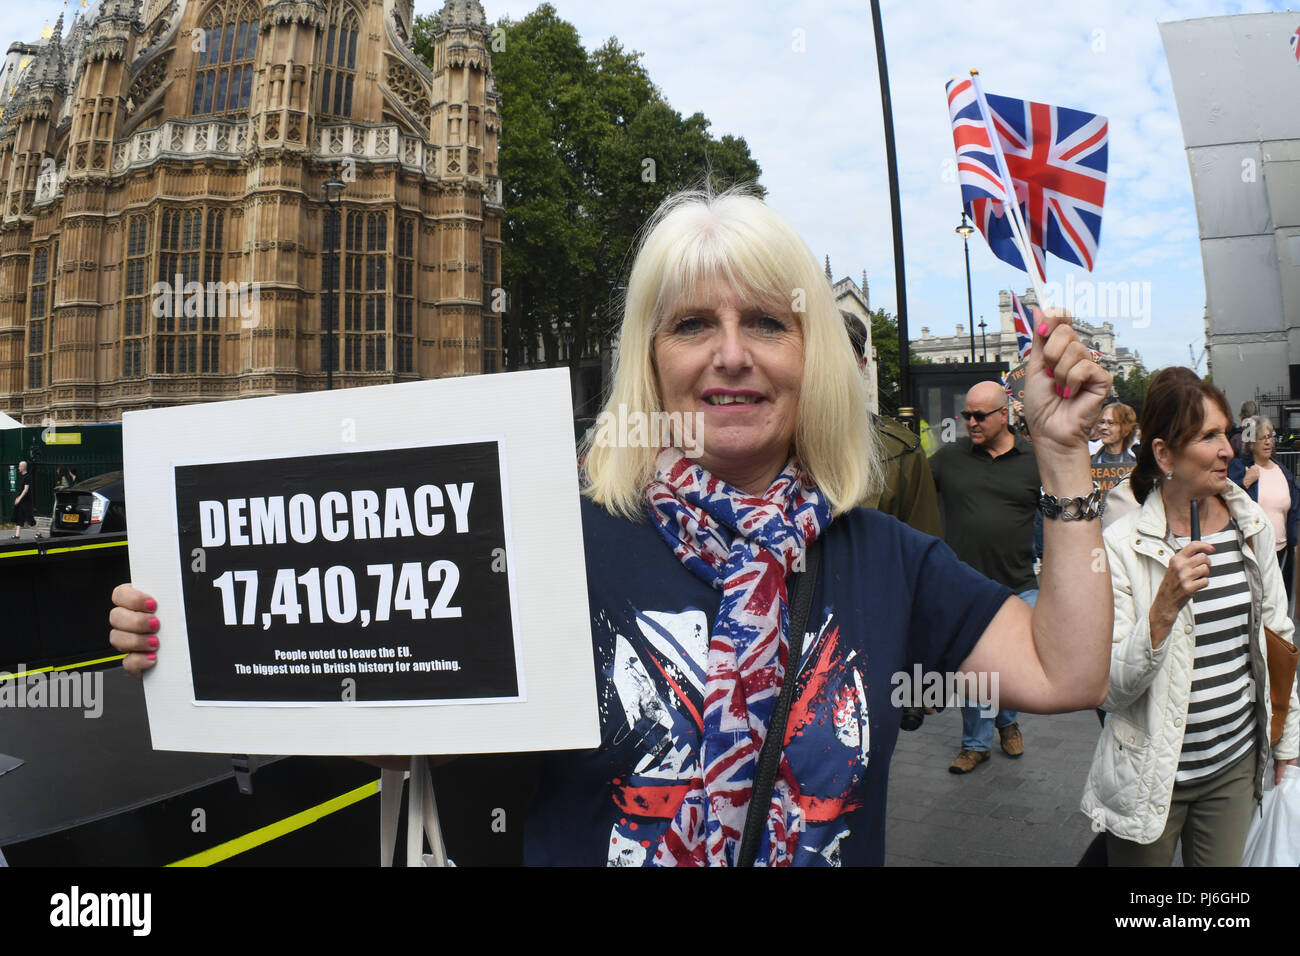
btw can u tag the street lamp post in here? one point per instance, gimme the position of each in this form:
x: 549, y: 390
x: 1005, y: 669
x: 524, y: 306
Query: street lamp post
x: 333, y: 187
x: 964, y: 229
x: 984, y: 342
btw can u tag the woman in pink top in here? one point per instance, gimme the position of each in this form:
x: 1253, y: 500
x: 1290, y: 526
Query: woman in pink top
x: 1271, y: 484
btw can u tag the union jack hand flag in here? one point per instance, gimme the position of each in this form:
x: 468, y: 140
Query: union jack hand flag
x: 1056, y: 158
x: 1024, y: 337
x: 1295, y: 44
x: 977, y: 167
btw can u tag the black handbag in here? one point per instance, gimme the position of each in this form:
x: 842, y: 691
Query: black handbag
x: 802, y: 585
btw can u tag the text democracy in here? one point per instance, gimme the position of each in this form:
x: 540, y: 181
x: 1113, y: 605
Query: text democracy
x: 334, y: 516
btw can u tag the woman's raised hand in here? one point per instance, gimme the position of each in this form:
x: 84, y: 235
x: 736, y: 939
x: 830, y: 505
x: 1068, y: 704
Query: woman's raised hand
x: 1064, y: 387
x: 134, y: 628
x: 1188, y: 572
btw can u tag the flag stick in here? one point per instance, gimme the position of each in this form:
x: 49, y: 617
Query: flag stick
x: 905, y: 410
x: 1018, y: 230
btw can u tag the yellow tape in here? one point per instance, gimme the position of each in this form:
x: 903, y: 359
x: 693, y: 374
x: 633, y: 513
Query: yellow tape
x: 86, y: 547
x: 65, y: 667
x: 274, y: 831
x: 78, y: 547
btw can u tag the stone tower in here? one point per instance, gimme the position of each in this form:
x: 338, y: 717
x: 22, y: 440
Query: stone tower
x: 465, y: 117
x: 165, y: 148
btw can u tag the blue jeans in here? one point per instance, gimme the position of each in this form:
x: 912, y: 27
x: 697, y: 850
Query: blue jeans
x: 977, y: 731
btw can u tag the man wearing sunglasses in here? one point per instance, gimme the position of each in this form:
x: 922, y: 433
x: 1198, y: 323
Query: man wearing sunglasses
x: 988, y: 494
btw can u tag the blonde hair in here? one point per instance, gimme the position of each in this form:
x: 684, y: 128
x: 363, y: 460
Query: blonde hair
x: 696, y: 237
x: 1126, y: 421
x: 1262, y: 424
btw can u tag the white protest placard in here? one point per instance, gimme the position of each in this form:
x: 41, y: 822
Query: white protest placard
x: 386, y: 570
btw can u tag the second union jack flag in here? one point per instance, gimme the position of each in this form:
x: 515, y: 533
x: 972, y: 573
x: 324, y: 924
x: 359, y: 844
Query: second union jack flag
x: 1024, y: 337
x: 1056, y: 158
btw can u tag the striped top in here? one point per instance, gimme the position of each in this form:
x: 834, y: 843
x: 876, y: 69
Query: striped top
x: 1220, y: 712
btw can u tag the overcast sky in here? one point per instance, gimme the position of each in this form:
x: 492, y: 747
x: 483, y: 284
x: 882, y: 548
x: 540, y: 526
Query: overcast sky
x: 797, y: 79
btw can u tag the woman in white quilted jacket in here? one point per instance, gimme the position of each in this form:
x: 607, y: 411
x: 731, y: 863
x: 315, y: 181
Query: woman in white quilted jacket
x: 1190, y: 728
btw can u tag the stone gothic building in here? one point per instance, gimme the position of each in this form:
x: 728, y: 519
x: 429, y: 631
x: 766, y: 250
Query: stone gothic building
x: 997, y: 343
x: 164, y: 232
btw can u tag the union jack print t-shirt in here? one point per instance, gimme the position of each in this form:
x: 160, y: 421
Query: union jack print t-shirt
x: 887, y: 598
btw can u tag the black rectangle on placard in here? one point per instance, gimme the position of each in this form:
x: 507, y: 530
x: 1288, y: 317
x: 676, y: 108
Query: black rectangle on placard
x: 365, y: 576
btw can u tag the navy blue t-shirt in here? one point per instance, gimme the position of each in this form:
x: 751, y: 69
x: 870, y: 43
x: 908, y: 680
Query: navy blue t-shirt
x: 887, y: 597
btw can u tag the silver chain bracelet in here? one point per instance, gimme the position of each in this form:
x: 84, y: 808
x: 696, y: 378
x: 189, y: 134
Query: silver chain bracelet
x: 1084, y: 508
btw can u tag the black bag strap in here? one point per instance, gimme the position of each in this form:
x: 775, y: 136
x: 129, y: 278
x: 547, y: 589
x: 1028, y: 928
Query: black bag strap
x: 802, y: 585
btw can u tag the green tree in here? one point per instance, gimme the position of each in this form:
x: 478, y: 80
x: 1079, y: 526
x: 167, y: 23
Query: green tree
x: 1131, y: 388
x: 884, y: 339
x: 422, y: 30
x: 589, y: 148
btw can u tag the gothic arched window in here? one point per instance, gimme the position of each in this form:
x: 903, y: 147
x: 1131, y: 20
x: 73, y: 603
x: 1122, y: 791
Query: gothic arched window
x: 404, y: 299
x: 136, y: 299
x: 188, y: 316
x: 223, y: 81
x: 365, y: 292
x: 36, y: 341
x: 339, y: 62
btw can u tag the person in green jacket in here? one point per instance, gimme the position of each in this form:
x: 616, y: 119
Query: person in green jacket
x: 908, y: 490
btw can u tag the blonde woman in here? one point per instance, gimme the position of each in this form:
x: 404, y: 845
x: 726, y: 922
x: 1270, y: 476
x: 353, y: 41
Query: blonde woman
x: 729, y: 318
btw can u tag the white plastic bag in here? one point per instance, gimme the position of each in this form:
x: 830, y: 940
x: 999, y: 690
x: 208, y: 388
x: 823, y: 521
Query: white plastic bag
x: 1274, y: 838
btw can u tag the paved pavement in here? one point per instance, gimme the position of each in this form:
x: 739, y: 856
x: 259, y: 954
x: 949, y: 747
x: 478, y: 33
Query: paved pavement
x: 26, y: 534
x: 1022, y: 812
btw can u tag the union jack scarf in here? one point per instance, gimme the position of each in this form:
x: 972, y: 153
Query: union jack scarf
x: 744, y: 546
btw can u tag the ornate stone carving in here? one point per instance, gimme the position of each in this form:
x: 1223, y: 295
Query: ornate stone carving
x: 149, y: 80
x: 408, y: 89
x: 310, y: 12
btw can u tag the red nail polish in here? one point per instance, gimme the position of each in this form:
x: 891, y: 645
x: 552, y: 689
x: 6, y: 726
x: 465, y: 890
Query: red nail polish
x: 1066, y: 394
x: 153, y: 642
x: 1051, y: 372
x: 1042, y: 330
x: 153, y: 623
x: 151, y: 605
x: 1057, y: 390
x: 152, y: 657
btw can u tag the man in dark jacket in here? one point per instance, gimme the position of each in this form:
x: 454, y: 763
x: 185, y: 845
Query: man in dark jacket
x: 990, y: 484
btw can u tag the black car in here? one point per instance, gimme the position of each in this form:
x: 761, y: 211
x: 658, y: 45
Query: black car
x: 94, y: 506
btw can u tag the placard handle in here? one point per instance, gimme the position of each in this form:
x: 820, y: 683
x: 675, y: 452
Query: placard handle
x: 421, y: 816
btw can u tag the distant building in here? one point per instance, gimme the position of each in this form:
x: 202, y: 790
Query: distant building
x: 1237, y: 85
x: 856, y: 299
x: 998, y: 341
x: 190, y: 138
